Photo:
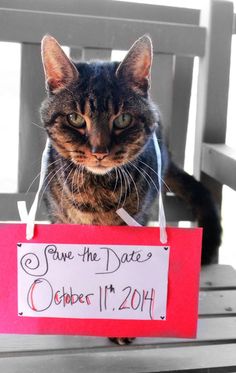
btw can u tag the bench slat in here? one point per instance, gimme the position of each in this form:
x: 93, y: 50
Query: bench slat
x: 162, y: 87
x: 32, y: 139
x: 217, y: 303
x: 108, y: 33
x: 128, y: 360
x: 217, y: 160
x: 219, y: 277
x: 107, y: 8
x: 220, y: 330
x: 180, y: 112
x: 89, y: 54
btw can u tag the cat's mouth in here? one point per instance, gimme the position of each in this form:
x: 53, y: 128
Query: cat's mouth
x: 99, y: 169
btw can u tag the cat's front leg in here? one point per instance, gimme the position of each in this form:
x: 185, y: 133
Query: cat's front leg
x: 122, y: 341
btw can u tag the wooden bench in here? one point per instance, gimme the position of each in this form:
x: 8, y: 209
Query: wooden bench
x: 214, y: 350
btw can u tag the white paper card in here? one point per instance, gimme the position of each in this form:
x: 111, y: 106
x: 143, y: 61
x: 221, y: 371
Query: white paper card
x: 92, y: 281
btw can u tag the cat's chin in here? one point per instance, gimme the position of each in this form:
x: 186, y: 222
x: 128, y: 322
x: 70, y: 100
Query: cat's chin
x: 99, y: 170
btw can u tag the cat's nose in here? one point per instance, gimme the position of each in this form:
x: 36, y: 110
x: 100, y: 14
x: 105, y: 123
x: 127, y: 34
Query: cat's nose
x: 100, y: 153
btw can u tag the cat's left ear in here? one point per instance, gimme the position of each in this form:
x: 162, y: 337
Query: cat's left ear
x: 136, y: 66
x: 59, y: 69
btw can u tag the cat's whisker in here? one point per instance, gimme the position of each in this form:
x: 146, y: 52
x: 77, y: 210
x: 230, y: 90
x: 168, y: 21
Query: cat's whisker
x: 83, y: 183
x: 151, y: 179
x: 135, y: 186
x: 125, y: 185
x: 163, y: 181
x: 73, y: 182
x: 127, y: 178
x: 38, y: 175
x: 65, y: 185
x: 54, y: 174
x: 80, y: 176
x: 38, y: 125
x: 121, y: 188
x: 80, y: 182
x: 117, y: 178
x: 140, y: 172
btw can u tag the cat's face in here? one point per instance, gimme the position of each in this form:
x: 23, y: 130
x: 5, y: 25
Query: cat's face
x: 98, y: 115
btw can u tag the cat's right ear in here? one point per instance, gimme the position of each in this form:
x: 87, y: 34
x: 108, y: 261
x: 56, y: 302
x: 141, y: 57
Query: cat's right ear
x: 135, y: 69
x: 58, y: 68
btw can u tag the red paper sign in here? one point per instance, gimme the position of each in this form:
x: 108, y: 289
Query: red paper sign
x: 107, y: 251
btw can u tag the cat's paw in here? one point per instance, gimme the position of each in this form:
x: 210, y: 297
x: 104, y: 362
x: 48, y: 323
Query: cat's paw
x: 122, y: 341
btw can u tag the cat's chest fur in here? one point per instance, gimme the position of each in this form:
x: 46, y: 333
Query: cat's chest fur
x: 75, y: 196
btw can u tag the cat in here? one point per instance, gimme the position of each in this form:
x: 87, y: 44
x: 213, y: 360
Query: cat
x: 100, y: 120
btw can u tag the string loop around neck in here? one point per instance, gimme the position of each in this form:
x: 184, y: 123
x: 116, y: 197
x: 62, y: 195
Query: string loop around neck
x: 161, y: 215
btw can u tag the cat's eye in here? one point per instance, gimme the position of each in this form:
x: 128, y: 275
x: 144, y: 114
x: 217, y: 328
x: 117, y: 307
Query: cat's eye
x: 76, y: 120
x: 123, y: 121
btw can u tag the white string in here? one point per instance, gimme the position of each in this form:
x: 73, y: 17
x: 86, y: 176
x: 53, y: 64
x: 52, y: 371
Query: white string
x: 29, y: 219
x: 162, y: 219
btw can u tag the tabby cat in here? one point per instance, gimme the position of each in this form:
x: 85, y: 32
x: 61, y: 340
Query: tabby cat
x: 99, y: 118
